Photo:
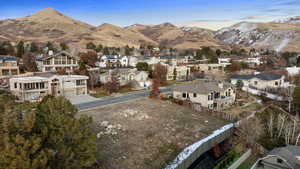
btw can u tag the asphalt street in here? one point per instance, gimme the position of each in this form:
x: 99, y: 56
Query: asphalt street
x: 112, y: 100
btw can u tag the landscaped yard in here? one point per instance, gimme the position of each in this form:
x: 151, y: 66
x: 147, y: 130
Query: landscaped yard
x: 147, y: 134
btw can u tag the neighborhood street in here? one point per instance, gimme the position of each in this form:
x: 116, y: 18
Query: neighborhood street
x: 112, y: 100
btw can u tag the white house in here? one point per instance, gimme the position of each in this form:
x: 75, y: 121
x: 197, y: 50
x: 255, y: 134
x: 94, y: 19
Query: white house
x: 261, y: 81
x: 34, y: 88
x: 292, y: 71
x: 108, y: 61
x: 224, y: 61
x: 58, y: 61
x: 126, y: 76
x: 209, y: 94
x: 178, y: 72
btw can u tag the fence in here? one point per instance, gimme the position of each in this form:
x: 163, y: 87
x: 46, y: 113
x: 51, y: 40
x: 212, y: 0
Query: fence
x: 244, y: 157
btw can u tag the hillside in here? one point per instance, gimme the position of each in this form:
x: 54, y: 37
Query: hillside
x: 167, y: 34
x: 51, y: 25
x: 275, y: 36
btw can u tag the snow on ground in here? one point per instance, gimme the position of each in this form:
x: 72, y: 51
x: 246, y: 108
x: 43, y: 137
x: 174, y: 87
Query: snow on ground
x: 192, y: 148
x: 282, y: 45
x: 245, y: 27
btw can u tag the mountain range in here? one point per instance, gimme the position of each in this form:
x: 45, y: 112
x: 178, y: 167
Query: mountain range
x: 51, y: 25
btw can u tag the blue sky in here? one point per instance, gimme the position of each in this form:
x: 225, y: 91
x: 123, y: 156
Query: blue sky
x: 206, y: 13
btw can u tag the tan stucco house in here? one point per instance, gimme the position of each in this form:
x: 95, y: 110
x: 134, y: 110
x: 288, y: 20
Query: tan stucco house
x: 34, y: 88
x: 8, y: 66
x: 210, y: 94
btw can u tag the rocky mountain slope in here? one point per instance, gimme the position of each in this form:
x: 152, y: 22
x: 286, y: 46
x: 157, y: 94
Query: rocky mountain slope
x: 167, y: 34
x: 275, y: 36
x: 51, y: 25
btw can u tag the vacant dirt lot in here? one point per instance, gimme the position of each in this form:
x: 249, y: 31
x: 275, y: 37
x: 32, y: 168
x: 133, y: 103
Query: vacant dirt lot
x: 147, y: 134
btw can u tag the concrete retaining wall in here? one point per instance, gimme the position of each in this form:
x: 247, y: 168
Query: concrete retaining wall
x: 193, y: 152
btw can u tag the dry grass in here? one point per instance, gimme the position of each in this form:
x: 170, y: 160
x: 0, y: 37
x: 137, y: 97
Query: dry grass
x: 147, y: 134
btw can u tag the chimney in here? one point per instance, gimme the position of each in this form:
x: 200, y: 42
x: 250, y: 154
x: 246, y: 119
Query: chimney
x: 221, y: 85
x: 50, y: 53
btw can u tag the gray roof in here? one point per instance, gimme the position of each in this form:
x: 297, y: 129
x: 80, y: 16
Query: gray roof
x: 202, y: 87
x: 289, y: 153
x: 262, y: 76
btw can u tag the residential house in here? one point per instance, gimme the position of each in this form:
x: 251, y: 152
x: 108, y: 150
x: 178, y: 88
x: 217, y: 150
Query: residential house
x: 58, y: 61
x: 213, y: 95
x: 34, y: 88
x: 8, y: 66
x: 224, y: 61
x: 280, y: 158
x: 211, y: 68
x: 261, y: 81
x: 108, y: 61
x: 175, y: 72
x: 126, y: 76
x: 293, y: 71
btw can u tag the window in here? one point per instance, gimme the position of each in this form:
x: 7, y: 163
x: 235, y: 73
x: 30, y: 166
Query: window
x: 255, y: 82
x: 195, y: 94
x: 276, y: 83
x: 208, y: 97
x: 184, y: 95
x: 16, y: 85
x: 279, y: 160
x: 80, y: 82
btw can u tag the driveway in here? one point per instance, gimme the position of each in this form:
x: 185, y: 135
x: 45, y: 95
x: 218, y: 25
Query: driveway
x: 81, y: 99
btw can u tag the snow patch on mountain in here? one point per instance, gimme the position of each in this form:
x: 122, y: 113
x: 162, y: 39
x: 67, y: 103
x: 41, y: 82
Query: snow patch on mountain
x: 249, y: 34
x: 283, y: 44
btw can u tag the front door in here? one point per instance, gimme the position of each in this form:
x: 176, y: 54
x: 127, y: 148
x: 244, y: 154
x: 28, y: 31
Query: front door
x: 55, y: 87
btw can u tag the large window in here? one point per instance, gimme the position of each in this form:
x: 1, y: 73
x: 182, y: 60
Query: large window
x: 80, y: 82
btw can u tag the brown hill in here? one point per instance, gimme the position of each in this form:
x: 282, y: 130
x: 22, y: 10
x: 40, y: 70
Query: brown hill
x: 167, y: 34
x: 51, y: 25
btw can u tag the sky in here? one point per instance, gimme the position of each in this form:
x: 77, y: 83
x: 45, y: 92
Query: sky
x: 212, y: 14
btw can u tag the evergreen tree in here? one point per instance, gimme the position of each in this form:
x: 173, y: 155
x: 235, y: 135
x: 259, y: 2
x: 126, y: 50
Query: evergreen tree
x: 91, y: 45
x: 71, y: 138
x: 46, y: 137
x: 20, y: 49
x: 106, y: 51
x: 33, y: 47
x: 50, y: 46
x: 99, y: 48
x: 64, y: 46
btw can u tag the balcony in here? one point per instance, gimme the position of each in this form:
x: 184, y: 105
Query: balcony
x: 223, y: 98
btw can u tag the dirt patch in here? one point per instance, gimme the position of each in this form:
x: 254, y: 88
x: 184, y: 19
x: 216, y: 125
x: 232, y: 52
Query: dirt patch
x: 147, y: 134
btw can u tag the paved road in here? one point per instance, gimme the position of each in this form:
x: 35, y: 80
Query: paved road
x: 111, y: 100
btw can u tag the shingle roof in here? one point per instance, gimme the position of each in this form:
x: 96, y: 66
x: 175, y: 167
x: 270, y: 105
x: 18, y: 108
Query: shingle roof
x: 202, y: 87
x: 262, y: 76
x: 289, y: 153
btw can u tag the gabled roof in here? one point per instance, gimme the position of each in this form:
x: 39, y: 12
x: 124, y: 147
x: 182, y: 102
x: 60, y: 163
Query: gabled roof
x: 262, y: 76
x: 57, y: 54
